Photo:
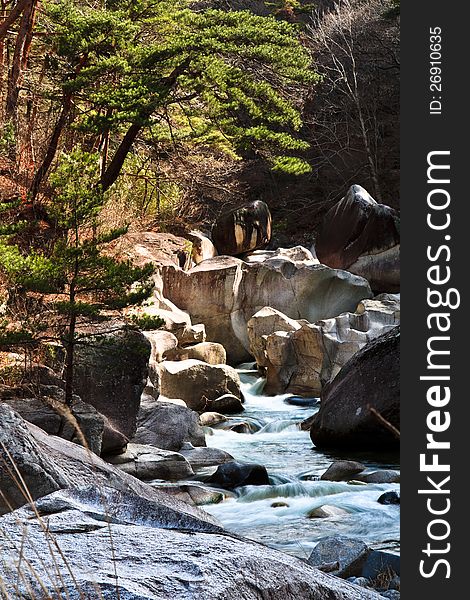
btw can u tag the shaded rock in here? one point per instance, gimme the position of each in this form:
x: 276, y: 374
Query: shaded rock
x: 209, y: 352
x: 209, y: 419
x: 380, y: 563
x: 299, y: 357
x: 168, y: 426
x: 113, y: 441
x: 204, y: 457
x: 349, y: 553
x: 148, y: 462
x: 306, y: 424
x: 198, y: 383
x: 394, y: 583
x: 196, y: 560
x: 227, y: 404
x: 111, y: 369
x: 225, y: 292
x: 370, y: 378
x: 342, y: 470
x: 235, y: 474
x: 362, y: 236
x: 279, y: 505
x: 325, y: 512
x: 48, y: 463
x: 300, y: 401
x: 382, y: 476
x: 45, y: 411
x: 243, y: 229
x: 389, y: 498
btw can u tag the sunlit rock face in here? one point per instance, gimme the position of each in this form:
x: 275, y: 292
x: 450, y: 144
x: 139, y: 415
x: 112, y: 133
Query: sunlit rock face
x: 301, y: 357
x: 225, y: 292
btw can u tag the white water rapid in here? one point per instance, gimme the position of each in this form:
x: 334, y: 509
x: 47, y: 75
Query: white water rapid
x: 294, y: 466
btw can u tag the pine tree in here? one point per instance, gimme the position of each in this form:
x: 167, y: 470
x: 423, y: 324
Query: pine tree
x: 81, y: 279
x: 164, y: 68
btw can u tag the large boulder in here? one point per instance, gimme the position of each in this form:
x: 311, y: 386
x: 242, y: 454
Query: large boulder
x: 243, y: 229
x: 370, y: 379
x: 111, y: 369
x: 300, y: 357
x: 47, y: 463
x: 46, y: 408
x: 138, y: 555
x: 197, y: 382
x: 225, y: 292
x: 168, y: 426
x: 234, y: 474
x: 362, y: 236
x: 148, y: 462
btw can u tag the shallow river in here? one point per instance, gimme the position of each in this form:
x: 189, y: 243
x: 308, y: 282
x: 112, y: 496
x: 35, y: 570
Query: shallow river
x: 294, y: 465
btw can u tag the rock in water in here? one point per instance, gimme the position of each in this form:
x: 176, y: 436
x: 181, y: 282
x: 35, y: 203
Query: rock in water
x: 150, y: 557
x: 198, y: 383
x: 362, y: 236
x: 342, y: 470
x: 382, y: 476
x: 234, y: 474
x: 148, y: 462
x: 380, y: 563
x: 371, y: 378
x: 111, y: 369
x: 243, y: 229
x: 389, y: 498
x: 349, y: 553
x: 325, y: 512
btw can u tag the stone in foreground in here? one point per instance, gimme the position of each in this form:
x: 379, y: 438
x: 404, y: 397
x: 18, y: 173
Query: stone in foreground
x: 153, y: 559
x: 349, y: 553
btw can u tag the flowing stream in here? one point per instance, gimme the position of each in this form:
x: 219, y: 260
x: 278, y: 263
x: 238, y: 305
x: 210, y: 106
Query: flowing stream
x: 294, y: 466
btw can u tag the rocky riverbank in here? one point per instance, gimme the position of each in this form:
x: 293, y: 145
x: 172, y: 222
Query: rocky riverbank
x: 131, y: 468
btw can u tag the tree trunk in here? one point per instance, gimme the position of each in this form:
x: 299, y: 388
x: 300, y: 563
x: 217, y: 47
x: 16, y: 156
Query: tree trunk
x: 20, y: 58
x: 112, y: 172
x: 52, y: 148
x: 69, y: 360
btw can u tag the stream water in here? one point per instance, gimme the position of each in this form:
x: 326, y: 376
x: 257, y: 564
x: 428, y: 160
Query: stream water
x: 294, y: 466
